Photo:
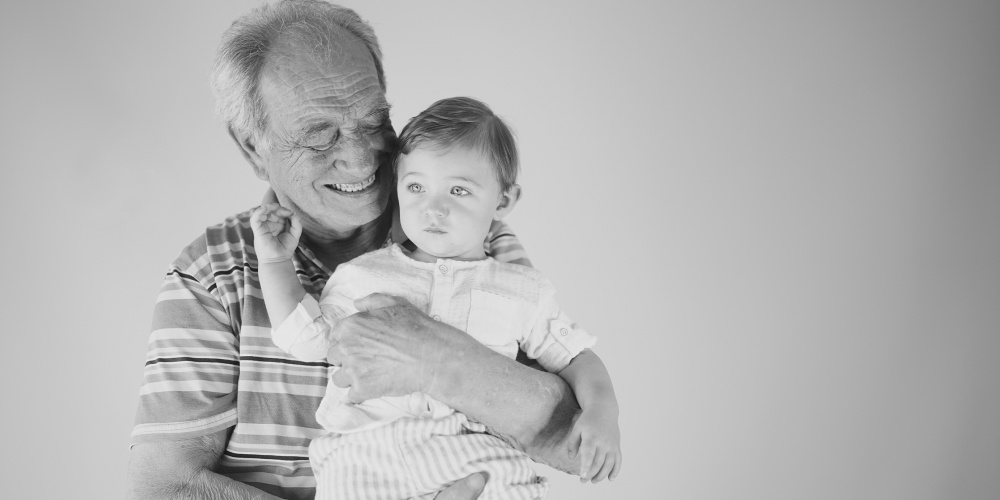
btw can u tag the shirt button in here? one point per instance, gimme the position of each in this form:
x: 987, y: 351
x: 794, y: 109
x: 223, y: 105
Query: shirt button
x: 564, y: 332
x: 437, y: 318
x: 443, y: 268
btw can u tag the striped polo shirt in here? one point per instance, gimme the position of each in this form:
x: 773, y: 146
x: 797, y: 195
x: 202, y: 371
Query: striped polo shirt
x: 212, y: 365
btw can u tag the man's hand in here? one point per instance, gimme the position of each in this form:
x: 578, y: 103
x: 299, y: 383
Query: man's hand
x: 276, y: 232
x: 391, y: 348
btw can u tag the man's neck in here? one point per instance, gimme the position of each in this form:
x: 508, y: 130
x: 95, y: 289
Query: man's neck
x: 335, y: 249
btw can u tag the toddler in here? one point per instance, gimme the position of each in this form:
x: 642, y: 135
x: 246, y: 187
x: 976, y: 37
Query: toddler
x: 455, y: 174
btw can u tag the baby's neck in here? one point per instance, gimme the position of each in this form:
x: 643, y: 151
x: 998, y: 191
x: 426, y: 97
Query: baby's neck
x: 422, y: 256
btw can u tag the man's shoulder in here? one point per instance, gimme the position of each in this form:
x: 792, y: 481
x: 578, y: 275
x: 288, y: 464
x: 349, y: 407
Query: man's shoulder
x: 218, y: 243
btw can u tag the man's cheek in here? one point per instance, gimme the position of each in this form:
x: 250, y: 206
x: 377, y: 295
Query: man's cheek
x: 388, y: 137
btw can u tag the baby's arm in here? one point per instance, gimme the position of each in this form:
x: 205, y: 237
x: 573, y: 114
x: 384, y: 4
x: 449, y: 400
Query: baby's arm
x: 597, y: 428
x: 276, y: 235
x: 562, y: 347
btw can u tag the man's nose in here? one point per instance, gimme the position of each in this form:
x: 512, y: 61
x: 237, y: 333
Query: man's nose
x: 354, y: 157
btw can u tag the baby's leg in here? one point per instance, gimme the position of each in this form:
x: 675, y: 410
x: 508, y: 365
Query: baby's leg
x: 360, y: 466
x: 413, y: 457
x: 440, y: 452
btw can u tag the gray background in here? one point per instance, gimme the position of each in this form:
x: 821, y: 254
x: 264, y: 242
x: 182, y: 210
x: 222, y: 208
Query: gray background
x: 781, y: 219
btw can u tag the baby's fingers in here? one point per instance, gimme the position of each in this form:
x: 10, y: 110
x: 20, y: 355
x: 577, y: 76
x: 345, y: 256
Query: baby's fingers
x: 257, y: 217
x: 295, y: 229
x: 587, y: 468
x: 574, y: 440
x: 616, y: 468
x: 606, y: 466
x: 282, y: 212
x: 267, y: 208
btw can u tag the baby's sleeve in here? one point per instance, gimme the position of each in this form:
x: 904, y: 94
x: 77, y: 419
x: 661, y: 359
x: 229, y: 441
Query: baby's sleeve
x: 554, y: 339
x: 305, y: 334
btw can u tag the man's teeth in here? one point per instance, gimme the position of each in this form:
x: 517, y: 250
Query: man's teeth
x: 357, y: 186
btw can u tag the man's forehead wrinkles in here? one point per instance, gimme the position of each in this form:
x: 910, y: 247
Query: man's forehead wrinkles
x: 354, y: 102
x: 330, y: 85
x: 304, y: 68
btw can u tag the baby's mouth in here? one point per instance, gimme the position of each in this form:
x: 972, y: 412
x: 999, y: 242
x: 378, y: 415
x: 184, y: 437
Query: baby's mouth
x: 353, y: 187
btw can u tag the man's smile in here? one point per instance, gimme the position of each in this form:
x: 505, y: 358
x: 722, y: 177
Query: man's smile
x: 355, y: 187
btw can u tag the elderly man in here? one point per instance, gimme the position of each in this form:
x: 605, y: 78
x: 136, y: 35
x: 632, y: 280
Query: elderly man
x: 223, y: 413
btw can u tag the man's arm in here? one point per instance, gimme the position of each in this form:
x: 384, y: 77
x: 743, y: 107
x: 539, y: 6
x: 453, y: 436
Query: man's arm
x: 392, y: 349
x: 530, y: 409
x: 186, y: 379
x: 184, y: 470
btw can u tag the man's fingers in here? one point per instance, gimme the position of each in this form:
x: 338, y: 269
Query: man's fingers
x: 467, y: 488
x: 335, y: 356
x: 341, y: 378
x: 354, y: 395
x: 378, y: 301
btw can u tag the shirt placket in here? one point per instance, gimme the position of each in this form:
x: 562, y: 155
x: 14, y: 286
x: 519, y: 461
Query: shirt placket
x: 442, y: 289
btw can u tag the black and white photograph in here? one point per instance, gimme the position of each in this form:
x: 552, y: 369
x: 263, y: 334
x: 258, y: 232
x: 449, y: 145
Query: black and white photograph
x: 310, y: 249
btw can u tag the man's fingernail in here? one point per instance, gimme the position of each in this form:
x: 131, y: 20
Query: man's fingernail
x: 480, y: 480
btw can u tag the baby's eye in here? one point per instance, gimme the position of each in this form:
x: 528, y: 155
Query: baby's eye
x: 459, y: 191
x: 414, y: 188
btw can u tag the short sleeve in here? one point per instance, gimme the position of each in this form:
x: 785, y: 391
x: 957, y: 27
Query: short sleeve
x: 337, y: 300
x: 305, y: 334
x: 192, y: 362
x: 554, y: 339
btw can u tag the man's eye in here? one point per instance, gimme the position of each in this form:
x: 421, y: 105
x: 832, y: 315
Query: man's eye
x: 325, y: 146
x: 459, y: 191
x: 414, y: 188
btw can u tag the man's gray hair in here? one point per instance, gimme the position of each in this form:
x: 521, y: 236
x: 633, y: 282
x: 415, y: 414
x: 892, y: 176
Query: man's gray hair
x: 247, y: 43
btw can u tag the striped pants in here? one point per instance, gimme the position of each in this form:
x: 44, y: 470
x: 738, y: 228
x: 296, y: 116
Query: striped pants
x: 413, y: 458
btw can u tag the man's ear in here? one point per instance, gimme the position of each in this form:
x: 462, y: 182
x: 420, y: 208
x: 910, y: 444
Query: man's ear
x: 249, y: 150
x: 507, y: 202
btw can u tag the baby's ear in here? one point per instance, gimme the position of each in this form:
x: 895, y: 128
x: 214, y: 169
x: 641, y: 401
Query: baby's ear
x: 507, y: 201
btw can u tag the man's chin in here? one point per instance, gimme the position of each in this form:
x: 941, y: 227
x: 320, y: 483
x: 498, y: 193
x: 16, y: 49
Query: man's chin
x: 365, y: 215
x: 360, y: 211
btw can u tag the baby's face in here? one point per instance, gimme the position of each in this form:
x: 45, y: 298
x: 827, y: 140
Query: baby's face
x: 447, y: 201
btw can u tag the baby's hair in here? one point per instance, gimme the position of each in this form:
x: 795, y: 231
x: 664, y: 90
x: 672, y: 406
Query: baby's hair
x: 466, y: 122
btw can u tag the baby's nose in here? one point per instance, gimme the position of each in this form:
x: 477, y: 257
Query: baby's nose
x: 437, y: 209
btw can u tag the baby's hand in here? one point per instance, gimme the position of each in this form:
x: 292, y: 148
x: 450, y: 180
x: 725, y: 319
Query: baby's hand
x: 276, y: 232
x: 600, y: 453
